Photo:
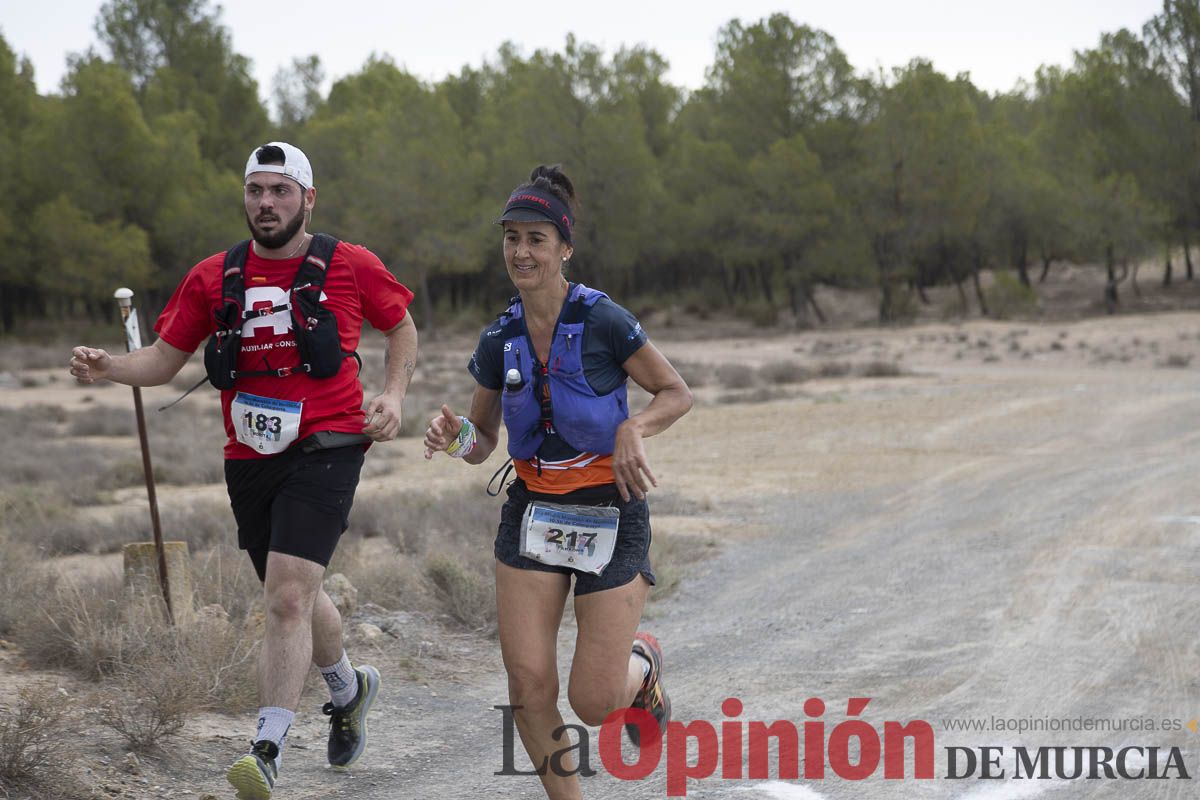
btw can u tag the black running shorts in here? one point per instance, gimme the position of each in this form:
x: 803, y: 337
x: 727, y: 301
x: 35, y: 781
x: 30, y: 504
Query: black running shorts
x: 295, y: 503
x: 630, y: 558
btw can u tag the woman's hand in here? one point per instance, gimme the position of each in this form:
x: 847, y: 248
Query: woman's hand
x: 631, y: 470
x: 442, y: 431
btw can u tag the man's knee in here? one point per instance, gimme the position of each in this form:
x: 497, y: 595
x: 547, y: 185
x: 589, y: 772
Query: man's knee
x: 289, y: 601
x: 323, y: 605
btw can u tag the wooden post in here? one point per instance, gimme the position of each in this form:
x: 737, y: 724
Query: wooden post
x: 133, y: 341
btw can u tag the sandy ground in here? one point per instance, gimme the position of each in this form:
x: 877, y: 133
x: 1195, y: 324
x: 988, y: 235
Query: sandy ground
x: 1008, y: 529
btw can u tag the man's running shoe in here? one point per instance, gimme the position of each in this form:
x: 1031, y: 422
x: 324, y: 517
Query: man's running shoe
x: 254, y: 774
x: 348, y: 725
x: 652, y: 697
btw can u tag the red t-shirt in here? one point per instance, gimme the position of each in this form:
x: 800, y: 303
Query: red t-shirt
x: 357, y: 286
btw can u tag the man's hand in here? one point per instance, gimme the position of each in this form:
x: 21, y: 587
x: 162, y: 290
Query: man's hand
x: 89, y: 364
x: 383, y: 418
x: 443, y: 429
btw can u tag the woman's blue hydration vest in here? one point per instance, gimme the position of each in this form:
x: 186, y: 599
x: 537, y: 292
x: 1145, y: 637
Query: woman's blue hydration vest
x: 587, y: 421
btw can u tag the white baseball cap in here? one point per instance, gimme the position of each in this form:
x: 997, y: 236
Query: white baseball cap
x: 295, y: 164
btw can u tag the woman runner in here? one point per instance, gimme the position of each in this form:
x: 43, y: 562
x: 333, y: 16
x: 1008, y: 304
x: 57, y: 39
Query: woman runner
x: 554, y: 368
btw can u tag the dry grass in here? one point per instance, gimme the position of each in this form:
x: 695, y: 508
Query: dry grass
x: 383, y: 575
x: 39, y: 460
x: 694, y: 375
x: 102, y: 421
x: 35, y: 454
x: 735, y: 376
x: 38, y: 521
x: 20, y: 578
x: 103, y: 630
x: 833, y: 369
x: 151, y: 706
x: 18, y: 356
x: 676, y: 504
x: 32, y: 743
x: 224, y: 577
x: 438, y: 554
x: 882, y: 369
x: 415, y: 520
x: 411, y: 550
x: 94, y: 627
x: 43, y: 447
x: 783, y: 372
x: 186, y: 444
x: 1176, y: 361
x: 189, y: 376
x: 672, y: 556
x: 441, y: 380
x: 466, y: 595
x: 753, y: 395
x: 427, y: 552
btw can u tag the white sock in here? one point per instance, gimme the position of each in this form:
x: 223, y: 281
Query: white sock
x: 645, y: 664
x: 273, y: 724
x: 341, y: 680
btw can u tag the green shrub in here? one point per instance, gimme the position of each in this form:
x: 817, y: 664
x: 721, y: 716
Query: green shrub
x: 1008, y: 297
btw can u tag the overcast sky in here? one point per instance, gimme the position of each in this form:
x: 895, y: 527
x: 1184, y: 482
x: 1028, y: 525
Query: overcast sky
x: 997, y: 42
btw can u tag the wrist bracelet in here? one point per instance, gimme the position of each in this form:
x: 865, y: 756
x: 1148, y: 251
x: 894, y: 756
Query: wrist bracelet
x: 465, y: 441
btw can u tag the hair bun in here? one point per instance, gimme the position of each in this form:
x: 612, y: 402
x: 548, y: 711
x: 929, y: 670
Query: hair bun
x: 552, y: 177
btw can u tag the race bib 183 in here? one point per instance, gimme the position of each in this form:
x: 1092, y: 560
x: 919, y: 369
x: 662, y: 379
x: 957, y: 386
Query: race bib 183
x: 264, y: 423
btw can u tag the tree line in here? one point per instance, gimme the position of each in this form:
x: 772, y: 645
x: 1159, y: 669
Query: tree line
x: 787, y: 170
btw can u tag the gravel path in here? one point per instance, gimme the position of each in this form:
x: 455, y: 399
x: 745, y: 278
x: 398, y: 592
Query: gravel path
x: 1031, y: 555
x: 1013, y: 537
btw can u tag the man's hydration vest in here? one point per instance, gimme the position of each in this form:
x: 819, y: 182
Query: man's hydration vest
x: 314, y: 326
x: 585, y: 420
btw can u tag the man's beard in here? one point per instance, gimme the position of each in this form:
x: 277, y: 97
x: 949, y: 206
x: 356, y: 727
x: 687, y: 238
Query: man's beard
x: 281, y: 236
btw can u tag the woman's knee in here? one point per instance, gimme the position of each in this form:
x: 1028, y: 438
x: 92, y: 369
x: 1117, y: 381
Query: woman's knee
x: 532, y: 689
x: 593, y: 702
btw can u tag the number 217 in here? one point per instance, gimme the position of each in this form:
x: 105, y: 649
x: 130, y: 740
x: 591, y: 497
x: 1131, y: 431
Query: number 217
x: 572, y: 539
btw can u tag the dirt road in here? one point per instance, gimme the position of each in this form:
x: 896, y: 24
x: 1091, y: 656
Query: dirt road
x: 1011, y: 541
x: 1015, y: 539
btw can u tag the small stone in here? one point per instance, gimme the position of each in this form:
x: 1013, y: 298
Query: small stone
x: 368, y: 632
x: 343, y: 594
x: 215, y: 611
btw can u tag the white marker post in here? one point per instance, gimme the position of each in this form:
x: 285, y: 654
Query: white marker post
x: 133, y: 341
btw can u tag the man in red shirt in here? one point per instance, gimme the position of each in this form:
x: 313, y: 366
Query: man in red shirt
x: 295, y: 442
